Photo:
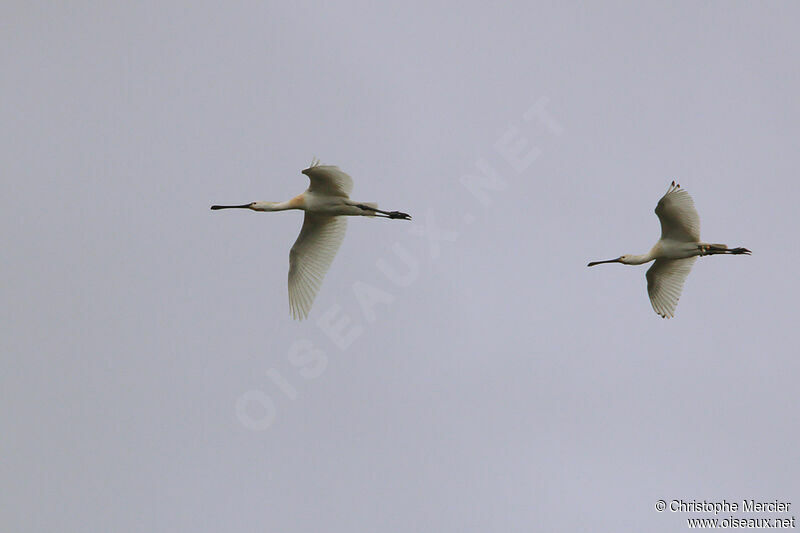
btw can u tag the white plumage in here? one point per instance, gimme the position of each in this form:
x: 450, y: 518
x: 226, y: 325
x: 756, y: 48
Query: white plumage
x: 678, y: 216
x: 311, y: 257
x: 665, y: 281
x: 325, y: 202
x: 675, y: 252
x: 328, y: 180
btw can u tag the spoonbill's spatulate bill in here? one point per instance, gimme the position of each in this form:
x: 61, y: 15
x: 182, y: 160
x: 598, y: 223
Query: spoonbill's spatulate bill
x: 326, y: 203
x: 675, y: 252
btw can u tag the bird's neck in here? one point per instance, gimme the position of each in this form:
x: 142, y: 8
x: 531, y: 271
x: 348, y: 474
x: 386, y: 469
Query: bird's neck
x: 294, y: 203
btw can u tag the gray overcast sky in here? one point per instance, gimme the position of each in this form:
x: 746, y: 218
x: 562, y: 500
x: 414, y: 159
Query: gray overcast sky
x: 494, y: 383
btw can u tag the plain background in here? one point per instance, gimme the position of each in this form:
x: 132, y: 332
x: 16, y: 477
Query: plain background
x: 499, y: 384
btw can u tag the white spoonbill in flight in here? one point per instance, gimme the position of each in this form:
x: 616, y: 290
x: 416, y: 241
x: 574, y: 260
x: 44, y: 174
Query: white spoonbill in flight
x: 675, y: 252
x: 326, y: 203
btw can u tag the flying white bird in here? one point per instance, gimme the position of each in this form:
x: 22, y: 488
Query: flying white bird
x: 675, y: 252
x: 326, y: 203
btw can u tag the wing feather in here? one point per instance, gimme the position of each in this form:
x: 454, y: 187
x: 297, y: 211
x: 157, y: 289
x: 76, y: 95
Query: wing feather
x: 665, y: 281
x: 311, y: 257
x: 678, y: 216
x: 329, y: 180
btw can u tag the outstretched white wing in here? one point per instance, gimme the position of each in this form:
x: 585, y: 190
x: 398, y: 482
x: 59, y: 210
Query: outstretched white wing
x: 329, y: 180
x: 310, y: 258
x: 678, y: 216
x: 665, y: 282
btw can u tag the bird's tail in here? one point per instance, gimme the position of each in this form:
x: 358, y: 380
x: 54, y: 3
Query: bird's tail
x: 714, y: 249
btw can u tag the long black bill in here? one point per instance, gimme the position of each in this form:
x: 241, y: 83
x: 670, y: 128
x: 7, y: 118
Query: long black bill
x: 593, y: 263
x: 244, y: 206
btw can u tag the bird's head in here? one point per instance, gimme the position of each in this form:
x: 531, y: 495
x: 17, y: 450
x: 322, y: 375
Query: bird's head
x: 620, y: 259
x: 627, y: 259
